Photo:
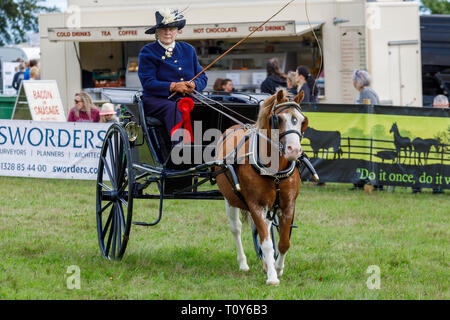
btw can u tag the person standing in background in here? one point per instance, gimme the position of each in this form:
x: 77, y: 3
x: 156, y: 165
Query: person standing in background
x: 18, y: 77
x: 291, y: 82
x: 361, y: 82
x: 31, y: 64
x: 306, y: 83
x: 440, y: 101
x: 275, y: 80
x: 303, y: 85
x: 34, y: 73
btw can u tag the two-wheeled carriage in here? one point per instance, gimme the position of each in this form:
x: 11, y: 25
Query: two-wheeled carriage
x: 136, y: 153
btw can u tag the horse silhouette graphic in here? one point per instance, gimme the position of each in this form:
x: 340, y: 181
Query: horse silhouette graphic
x: 401, y: 143
x: 387, y: 155
x: 324, y: 140
x: 423, y: 146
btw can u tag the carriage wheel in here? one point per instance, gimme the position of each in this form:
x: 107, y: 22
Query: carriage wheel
x: 274, y: 236
x: 115, y: 180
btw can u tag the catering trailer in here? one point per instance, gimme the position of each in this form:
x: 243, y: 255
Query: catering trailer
x: 95, y: 44
x: 435, y: 39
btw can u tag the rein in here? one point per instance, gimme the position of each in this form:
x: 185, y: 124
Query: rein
x: 223, y: 106
x: 253, y: 132
x: 245, y: 126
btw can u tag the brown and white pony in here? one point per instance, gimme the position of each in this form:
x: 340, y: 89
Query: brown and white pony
x: 258, y: 192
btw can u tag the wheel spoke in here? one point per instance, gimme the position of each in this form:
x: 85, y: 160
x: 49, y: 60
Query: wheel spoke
x: 118, y: 158
x: 122, y: 161
x: 113, y: 159
x: 108, y: 245
x: 101, y: 184
x: 108, y: 171
x: 124, y: 186
x: 121, y: 169
x: 125, y: 203
x: 122, y: 175
x: 106, y: 207
x: 121, y: 215
x: 113, y: 232
x: 108, y: 222
x: 119, y: 229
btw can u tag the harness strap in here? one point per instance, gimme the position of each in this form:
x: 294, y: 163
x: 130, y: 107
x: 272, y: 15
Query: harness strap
x: 276, y: 205
x: 234, y: 182
x: 282, y: 146
x: 234, y: 153
x: 286, y: 105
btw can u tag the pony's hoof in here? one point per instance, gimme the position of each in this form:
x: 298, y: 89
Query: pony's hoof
x: 244, y: 268
x: 273, y: 282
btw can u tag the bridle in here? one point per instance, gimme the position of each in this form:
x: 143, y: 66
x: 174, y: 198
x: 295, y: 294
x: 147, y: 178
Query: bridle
x: 274, y: 124
x: 274, y: 121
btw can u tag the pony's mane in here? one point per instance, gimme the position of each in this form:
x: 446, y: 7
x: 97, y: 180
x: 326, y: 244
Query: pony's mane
x: 265, y: 110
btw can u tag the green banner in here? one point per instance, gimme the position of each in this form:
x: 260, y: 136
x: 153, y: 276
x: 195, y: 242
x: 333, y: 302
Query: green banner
x: 387, y: 145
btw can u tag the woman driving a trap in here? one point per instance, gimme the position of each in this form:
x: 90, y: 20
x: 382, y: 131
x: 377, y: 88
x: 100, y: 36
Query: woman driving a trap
x: 166, y: 67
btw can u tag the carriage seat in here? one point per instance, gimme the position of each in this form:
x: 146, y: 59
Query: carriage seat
x: 160, y: 140
x: 153, y: 122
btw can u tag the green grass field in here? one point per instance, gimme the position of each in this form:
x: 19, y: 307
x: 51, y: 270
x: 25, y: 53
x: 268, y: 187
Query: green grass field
x: 48, y: 225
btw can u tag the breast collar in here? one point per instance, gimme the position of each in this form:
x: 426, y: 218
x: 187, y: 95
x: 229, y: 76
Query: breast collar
x: 254, y: 147
x: 260, y: 168
x: 253, y: 155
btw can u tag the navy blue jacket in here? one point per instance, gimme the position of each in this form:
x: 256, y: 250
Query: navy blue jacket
x: 307, y: 91
x: 272, y: 83
x: 156, y: 71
